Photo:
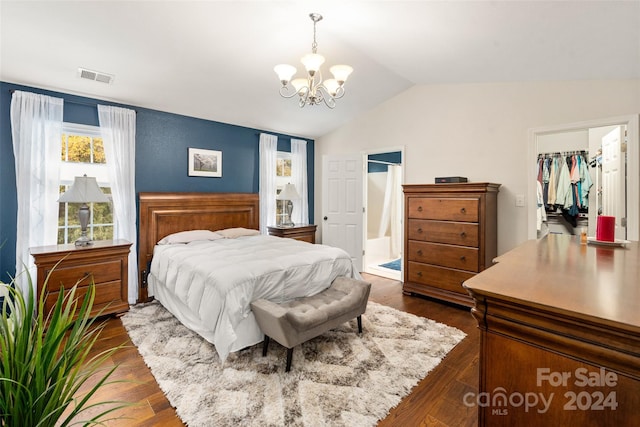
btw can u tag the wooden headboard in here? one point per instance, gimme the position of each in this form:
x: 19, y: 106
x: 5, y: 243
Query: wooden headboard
x: 162, y: 214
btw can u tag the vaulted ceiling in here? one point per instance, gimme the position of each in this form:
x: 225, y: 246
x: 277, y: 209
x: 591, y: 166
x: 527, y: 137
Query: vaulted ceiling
x: 215, y: 59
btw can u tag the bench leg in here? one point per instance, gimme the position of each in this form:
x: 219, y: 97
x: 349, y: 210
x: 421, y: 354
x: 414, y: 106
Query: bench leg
x: 359, y: 324
x: 289, y: 357
x: 265, y: 345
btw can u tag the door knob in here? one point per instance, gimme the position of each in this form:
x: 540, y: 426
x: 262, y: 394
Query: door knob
x: 325, y: 218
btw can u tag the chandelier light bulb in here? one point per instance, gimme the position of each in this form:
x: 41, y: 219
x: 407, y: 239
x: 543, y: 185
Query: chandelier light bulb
x: 332, y: 86
x: 341, y: 73
x: 300, y: 85
x: 285, y: 72
x: 312, y: 62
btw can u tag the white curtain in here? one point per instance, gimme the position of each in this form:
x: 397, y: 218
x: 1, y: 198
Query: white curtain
x: 118, y: 129
x: 36, y: 130
x: 268, y: 160
x: 392, y: 209
x: 299, y: 179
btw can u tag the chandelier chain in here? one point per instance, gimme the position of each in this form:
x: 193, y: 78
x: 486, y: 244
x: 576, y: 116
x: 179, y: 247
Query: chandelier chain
x: 314, y: 45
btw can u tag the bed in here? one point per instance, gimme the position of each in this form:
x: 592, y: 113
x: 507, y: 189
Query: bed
x: 208, y: 280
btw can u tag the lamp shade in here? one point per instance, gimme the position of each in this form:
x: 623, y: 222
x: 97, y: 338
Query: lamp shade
x: 84, y: 190
x: 285, y: 72
x: 312, y: 62
x: 288, y: 193
x: 332, y: 86
x: 341, y: 72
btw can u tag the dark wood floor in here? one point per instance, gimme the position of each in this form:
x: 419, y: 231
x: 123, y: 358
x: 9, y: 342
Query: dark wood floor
x: 436, y: 401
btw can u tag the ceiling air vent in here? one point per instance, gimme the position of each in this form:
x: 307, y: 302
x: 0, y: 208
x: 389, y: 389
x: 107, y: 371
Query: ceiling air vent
x: 97, y: 76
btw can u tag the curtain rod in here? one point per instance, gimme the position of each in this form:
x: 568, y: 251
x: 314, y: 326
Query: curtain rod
x: 88, y: 104
x: 384, y: 163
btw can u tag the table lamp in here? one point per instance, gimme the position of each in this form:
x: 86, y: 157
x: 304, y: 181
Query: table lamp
x: 83, y: 190
x: 288, y: 193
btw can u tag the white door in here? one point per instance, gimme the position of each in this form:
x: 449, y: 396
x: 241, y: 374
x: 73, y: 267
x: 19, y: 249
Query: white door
x: 613, y: 179
x: 342, y: 208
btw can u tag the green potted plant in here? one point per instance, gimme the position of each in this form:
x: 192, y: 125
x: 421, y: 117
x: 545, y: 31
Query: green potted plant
x: 46, y: 361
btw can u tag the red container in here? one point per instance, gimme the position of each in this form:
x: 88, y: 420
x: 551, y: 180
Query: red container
x: 606, y: 228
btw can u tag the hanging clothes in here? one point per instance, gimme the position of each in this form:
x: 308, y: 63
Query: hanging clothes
x: 564, y: 182
x: 585, y: 179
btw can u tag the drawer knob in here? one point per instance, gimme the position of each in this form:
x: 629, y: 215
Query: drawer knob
x: 419, y: 208
x: 463, y: 234
x: 419, y: 273
x: 419, y: 230
x: 463, y: 258
x: 419, y: 252
x: 463, y: 210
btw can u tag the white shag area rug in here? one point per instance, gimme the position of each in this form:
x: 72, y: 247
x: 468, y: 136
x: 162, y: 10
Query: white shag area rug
x: 337, y: 379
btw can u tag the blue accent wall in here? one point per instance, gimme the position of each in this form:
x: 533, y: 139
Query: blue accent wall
x: 162, y: 143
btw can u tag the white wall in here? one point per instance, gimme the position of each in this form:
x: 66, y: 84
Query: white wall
x: 565, y: 141
x: 478, y: 131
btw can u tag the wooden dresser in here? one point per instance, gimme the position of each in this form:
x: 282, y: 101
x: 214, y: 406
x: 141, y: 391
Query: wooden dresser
x: 450, y: 235
x: 559, y: 335
x: 105, y: 263
x: 306, y: 233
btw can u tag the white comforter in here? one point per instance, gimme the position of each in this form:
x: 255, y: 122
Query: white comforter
x: 217, y: 280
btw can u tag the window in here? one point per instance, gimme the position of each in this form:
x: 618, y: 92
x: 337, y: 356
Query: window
x: 83, y: 153
x: 283, y: 176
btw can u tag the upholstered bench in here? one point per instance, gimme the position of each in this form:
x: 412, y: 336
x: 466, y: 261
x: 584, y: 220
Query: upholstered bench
x: 294, y: 322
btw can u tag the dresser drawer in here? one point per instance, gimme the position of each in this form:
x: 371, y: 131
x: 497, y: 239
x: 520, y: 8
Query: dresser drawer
x: 106, y: 293
x: 453, y: 233
x: 448, y: 209
x: 460, y: 257
x: 443, y: 278
x: 99, y: 272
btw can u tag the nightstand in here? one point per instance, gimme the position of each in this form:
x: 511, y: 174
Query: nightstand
x: 105, y: 262
x: 306, y: 233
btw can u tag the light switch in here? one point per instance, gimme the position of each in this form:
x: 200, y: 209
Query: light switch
x: 520, y: 200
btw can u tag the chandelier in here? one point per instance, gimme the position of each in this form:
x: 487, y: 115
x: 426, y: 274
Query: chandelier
x: 313, y: 90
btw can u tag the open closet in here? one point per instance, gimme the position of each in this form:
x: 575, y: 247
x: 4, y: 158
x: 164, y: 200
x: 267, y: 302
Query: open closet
x: 580, y: 174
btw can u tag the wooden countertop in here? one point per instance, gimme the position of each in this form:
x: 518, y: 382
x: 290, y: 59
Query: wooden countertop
x: 557, y: 274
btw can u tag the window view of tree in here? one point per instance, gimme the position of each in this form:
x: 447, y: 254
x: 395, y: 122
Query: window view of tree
x: 283, y: 176
x: 78, y: 149
x: 283, y: 166
x: 82, y: 149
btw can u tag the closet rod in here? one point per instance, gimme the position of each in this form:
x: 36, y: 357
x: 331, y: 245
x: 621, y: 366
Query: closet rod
x: 384, y: 163
x: 564, y: 153
x: 89, y: 104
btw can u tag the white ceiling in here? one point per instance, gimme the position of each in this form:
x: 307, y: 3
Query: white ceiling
x: 214, y: 59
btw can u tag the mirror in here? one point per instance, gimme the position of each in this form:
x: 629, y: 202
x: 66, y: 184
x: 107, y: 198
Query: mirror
x: 614, y: 190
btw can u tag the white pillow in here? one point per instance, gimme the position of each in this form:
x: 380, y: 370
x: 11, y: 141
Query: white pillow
x: 189, y: 236
x: 232, y: 233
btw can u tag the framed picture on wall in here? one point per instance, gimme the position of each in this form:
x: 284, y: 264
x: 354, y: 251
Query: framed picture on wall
x: 205, y: 163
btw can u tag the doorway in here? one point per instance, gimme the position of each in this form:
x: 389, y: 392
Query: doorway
x: 383, y: 178
x: 627, y: 191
